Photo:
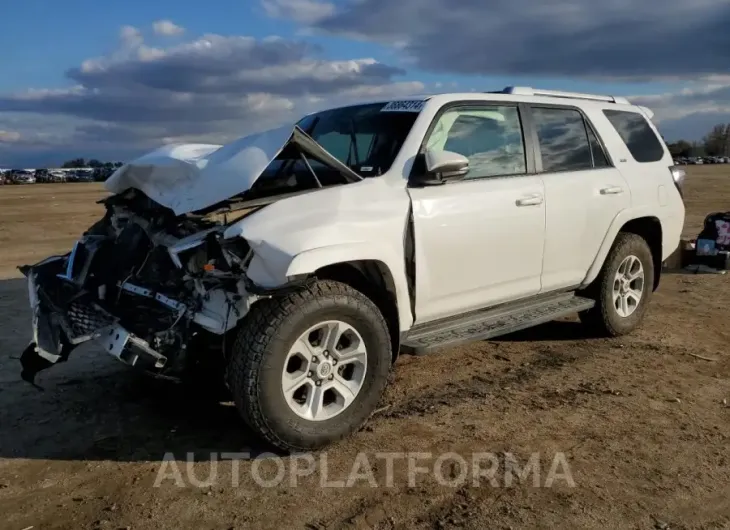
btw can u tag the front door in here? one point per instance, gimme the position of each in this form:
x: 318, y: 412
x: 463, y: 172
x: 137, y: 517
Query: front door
x: 479, y: 241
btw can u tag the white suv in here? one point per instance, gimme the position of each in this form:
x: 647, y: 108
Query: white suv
x: 297, y: 263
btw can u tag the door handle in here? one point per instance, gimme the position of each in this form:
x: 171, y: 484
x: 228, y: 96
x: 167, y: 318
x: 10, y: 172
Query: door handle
x: 614, y: 190
x: 532, y: 200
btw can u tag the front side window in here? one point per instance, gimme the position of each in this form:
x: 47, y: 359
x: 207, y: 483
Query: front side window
x: 637, y: 135
x: 563, y: 139
x: 489, y: 136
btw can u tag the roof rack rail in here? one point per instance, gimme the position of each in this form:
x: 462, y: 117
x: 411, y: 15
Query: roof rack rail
x: 529, y: 91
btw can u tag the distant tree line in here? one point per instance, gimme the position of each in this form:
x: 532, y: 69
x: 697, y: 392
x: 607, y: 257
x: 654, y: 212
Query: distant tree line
x: 715, y: 143
x: 93, y: 164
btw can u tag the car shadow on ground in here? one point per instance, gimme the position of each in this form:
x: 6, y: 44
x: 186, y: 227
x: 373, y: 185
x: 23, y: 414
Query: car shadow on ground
x: 94, y: 408
x: 559, y: 330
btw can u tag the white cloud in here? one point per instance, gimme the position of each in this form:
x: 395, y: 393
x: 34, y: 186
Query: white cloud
x: 212, y: 89
x: 305, y: 11
x: 690, y: 112
x: 584, y: 38
x: 130, y: 36
x: 9, y: 136
x: 167, y: 28
x: 673, y: 41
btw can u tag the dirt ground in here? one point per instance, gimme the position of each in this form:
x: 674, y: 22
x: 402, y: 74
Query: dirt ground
x: 642, y: 424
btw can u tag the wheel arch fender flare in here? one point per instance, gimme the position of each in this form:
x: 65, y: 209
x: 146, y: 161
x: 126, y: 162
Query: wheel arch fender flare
x: 621, y: 219
x: 310, y: 261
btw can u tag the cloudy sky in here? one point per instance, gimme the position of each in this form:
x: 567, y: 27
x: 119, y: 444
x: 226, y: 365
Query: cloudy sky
x: 114, y: 79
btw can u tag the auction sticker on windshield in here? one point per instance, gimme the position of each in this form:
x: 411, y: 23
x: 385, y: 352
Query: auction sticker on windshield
x: 404, y: 106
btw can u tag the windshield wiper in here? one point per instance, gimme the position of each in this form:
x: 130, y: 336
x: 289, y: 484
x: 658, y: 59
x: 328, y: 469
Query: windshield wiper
x: 311, y: 171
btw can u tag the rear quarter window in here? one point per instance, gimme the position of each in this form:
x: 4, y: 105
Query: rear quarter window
x: 637, y: 134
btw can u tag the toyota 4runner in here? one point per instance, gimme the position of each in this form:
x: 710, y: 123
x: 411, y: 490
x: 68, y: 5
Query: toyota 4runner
x: 299, y: 262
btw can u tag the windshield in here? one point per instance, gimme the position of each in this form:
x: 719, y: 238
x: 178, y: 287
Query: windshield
x: 366, y: 138
x: 362, y: 137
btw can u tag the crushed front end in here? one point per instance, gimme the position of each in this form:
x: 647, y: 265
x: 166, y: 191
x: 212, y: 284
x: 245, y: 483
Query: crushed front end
x: 143, y: 283
x: 156, y: 272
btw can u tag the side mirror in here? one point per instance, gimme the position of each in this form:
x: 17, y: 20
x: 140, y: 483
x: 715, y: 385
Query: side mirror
x: 442, y: 167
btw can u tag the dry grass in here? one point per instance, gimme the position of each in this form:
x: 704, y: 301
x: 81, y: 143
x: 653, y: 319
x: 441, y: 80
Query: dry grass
x: 44, y: 219
x: 642, y: 420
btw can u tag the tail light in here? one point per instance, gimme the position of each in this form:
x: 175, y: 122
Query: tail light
x: 678, y: 176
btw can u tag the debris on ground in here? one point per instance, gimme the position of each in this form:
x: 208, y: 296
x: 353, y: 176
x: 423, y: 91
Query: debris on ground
x: 710, y: 359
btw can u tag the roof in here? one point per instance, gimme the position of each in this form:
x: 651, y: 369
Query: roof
x: 511, y: 93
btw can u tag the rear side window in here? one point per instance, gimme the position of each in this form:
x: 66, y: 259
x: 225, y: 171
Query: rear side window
x: 563, y: 139
x: 637, y: 135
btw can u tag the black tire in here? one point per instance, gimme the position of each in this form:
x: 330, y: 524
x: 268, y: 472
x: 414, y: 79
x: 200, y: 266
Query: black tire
x: 262, y: 346
x: 603, y: 319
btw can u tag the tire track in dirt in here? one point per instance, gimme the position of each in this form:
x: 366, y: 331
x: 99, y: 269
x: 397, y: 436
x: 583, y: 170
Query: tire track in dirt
x: 546, y: 359
x: 466, y: 504
x: 457, y: 507
x: 481, y: 385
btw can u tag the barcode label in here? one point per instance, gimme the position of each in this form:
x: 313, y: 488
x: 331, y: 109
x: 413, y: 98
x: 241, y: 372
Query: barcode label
x: 404, y: 106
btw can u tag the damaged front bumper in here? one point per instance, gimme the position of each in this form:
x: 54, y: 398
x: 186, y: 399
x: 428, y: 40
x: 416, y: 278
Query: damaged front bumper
x: 73, y: 301
x: 65, y: 315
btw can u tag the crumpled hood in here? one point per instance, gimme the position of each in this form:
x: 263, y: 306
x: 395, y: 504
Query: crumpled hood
x: 190, y: 177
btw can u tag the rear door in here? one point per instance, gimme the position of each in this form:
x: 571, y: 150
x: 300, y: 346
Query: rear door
x: 647, y: 162
x: 583, y: 192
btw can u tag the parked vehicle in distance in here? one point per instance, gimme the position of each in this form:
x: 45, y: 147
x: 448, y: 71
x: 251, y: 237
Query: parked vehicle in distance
x: 56, y: 176
x: 100, y: 174
x: 41, y: 175
x: 22, y: 176
x: 297, y: 264
x: 82, y: 175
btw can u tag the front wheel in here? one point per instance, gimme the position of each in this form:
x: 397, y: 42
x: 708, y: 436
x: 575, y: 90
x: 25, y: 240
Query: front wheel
x: 623, y: 289
x: 309, y: 368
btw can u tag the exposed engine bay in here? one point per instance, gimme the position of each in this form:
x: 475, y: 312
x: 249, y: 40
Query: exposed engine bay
x: 141, y: 281
x: 144, y: 280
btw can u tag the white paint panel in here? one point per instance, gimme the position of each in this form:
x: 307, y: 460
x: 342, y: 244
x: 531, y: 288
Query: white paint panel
x: 478, y: 243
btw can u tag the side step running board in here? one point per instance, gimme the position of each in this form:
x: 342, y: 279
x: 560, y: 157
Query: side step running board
x: 489, y: 323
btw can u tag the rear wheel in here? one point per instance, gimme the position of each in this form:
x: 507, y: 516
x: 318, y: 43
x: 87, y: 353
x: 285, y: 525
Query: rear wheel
x: 623, y: 289
x: 309, y: 368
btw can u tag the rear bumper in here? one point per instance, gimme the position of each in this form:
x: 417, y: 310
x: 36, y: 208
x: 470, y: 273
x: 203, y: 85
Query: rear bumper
x: 65, y: 315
